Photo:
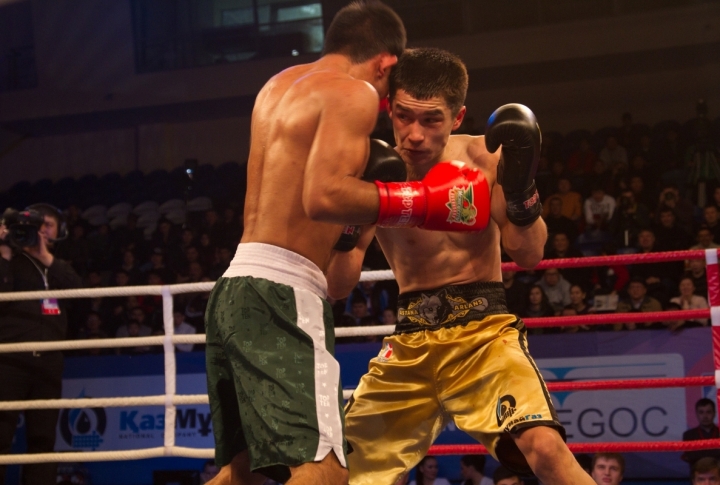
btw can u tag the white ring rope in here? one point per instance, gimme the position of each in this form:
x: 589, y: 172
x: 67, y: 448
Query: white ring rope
x: 103, y: 402
x: 147, y: 289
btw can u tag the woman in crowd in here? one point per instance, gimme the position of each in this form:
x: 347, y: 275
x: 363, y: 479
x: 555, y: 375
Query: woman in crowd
x: 426, y: 473
x: 688, y: 300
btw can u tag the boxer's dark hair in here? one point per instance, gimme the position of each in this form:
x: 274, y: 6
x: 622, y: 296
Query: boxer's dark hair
x: 428, y: 72
x: 364, y: 29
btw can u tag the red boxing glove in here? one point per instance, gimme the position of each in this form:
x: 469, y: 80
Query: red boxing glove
x: 451, y: 197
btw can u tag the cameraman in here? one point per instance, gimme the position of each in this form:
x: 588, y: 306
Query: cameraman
x: 27, y: 264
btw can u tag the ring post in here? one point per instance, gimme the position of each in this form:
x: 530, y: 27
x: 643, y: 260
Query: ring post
x: 713, y: 284
x: 170, y: 371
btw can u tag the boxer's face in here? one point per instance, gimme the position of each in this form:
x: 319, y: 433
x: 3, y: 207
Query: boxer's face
x: 422, y: 127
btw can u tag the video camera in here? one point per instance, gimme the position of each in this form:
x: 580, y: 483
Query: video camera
x: 22, y: 226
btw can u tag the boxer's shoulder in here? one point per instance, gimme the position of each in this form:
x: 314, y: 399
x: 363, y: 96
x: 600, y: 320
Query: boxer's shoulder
x: 472, y: 150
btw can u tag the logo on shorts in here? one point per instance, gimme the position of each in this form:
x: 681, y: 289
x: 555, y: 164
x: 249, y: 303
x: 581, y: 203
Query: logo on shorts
x: 83, y: 428
x: 461, y: 205
x: 505, y: 408
x: 386, y: 352
x: 432, y: 310
x: 522, y: 419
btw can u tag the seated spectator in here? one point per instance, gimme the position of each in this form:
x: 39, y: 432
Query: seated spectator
x: 158, y: 265
x: 608, y: 468
x: 556, y: 288
x: 93, y: 326
x: 130, y: 266
x: 705, y: 471
x: 684, y: 209
x: 370, y: 321
x: 711, y: 219
x: 375, y: 296
x: 358, y: 306
x: 556, y: 222
x: 613, y: 153
x: 181, y: 327
x: 210, y: 470
x: 560, y: 248
x: 599, y: 209
x: 704, y: 238
x: 673, y: 325
x: 706, y: 430
x: 579, y: 306
x: 137, y: 315
x: 641, y: 193
x: 472, y: 469
x: 133, y: 329
x: 426, y: 473
x: 503, y: 476
x: 688, y: 300
x: 207, y: 250
x: 516, y: 292
x: 668, y: 235
x: 628, y: 219
x: 696, y: 271
x: 225, y: 254
x: 609, y: 279
x: 195, y: 306
x: 660, y: 278
x: 389, y: 316
x: 538, y: 304
x: 571, y: 200
x: 582, y: 160
x: 637, y: 301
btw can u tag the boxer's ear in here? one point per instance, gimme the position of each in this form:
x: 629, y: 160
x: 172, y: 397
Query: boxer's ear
x: 459, y: 118
x: 385, y: 64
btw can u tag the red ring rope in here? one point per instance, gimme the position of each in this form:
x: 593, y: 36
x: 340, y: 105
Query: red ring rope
x: 594, y: 447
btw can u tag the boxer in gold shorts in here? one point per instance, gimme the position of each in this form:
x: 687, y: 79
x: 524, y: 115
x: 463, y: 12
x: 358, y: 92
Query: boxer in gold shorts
x: 457, y: 354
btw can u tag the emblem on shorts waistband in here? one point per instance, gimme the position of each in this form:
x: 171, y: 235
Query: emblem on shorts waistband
x: 461, y: 205
x: 440, y: 308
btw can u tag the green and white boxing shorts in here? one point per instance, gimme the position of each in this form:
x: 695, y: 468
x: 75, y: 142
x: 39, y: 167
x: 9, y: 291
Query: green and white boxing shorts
x: 273, y: 382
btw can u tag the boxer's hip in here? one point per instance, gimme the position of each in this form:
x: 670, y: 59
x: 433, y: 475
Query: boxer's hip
x: 279, y: 265
x: 449, y: 306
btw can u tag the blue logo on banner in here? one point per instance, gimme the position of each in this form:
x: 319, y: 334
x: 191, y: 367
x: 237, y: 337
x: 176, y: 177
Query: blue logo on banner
x: 83, y: 428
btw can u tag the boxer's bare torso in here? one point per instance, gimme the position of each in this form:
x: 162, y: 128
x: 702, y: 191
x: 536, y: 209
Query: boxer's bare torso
x: 423, y: 260
x: 309, y: 144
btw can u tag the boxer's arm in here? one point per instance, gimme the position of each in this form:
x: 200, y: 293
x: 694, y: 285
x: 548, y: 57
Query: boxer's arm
x: 344, y: 270
x: 524, y: 244
x: 332, y: 190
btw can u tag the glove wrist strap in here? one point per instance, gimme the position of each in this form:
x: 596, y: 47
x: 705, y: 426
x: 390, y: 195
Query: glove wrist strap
x: 523, y: 208
x: 402, y: 204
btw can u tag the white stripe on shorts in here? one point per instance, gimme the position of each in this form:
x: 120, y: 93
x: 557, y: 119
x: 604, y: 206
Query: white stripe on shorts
x: 327, y: 376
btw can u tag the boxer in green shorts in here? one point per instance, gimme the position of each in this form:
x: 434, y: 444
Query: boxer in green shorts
x: 274, y: 385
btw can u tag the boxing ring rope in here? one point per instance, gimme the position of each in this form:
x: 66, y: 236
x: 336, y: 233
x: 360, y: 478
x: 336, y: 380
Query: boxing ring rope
x: 170, y: 399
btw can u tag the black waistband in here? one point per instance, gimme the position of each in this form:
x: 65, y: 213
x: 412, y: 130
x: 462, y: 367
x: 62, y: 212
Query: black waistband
x: 449, y: 306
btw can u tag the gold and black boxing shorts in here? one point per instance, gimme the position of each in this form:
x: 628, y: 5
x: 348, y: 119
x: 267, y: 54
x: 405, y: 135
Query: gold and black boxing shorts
x: 456, y: 355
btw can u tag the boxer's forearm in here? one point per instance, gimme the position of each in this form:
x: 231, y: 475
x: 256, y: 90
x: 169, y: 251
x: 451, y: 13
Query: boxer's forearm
x: 525, y: 244
x: 343, y: 272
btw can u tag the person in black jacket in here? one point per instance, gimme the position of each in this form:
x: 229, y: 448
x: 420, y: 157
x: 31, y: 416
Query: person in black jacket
x: 33, y: 375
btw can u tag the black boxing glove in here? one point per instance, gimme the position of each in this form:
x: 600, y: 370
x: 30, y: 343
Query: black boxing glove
x: 384, y: 164
x: 515, y: 128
